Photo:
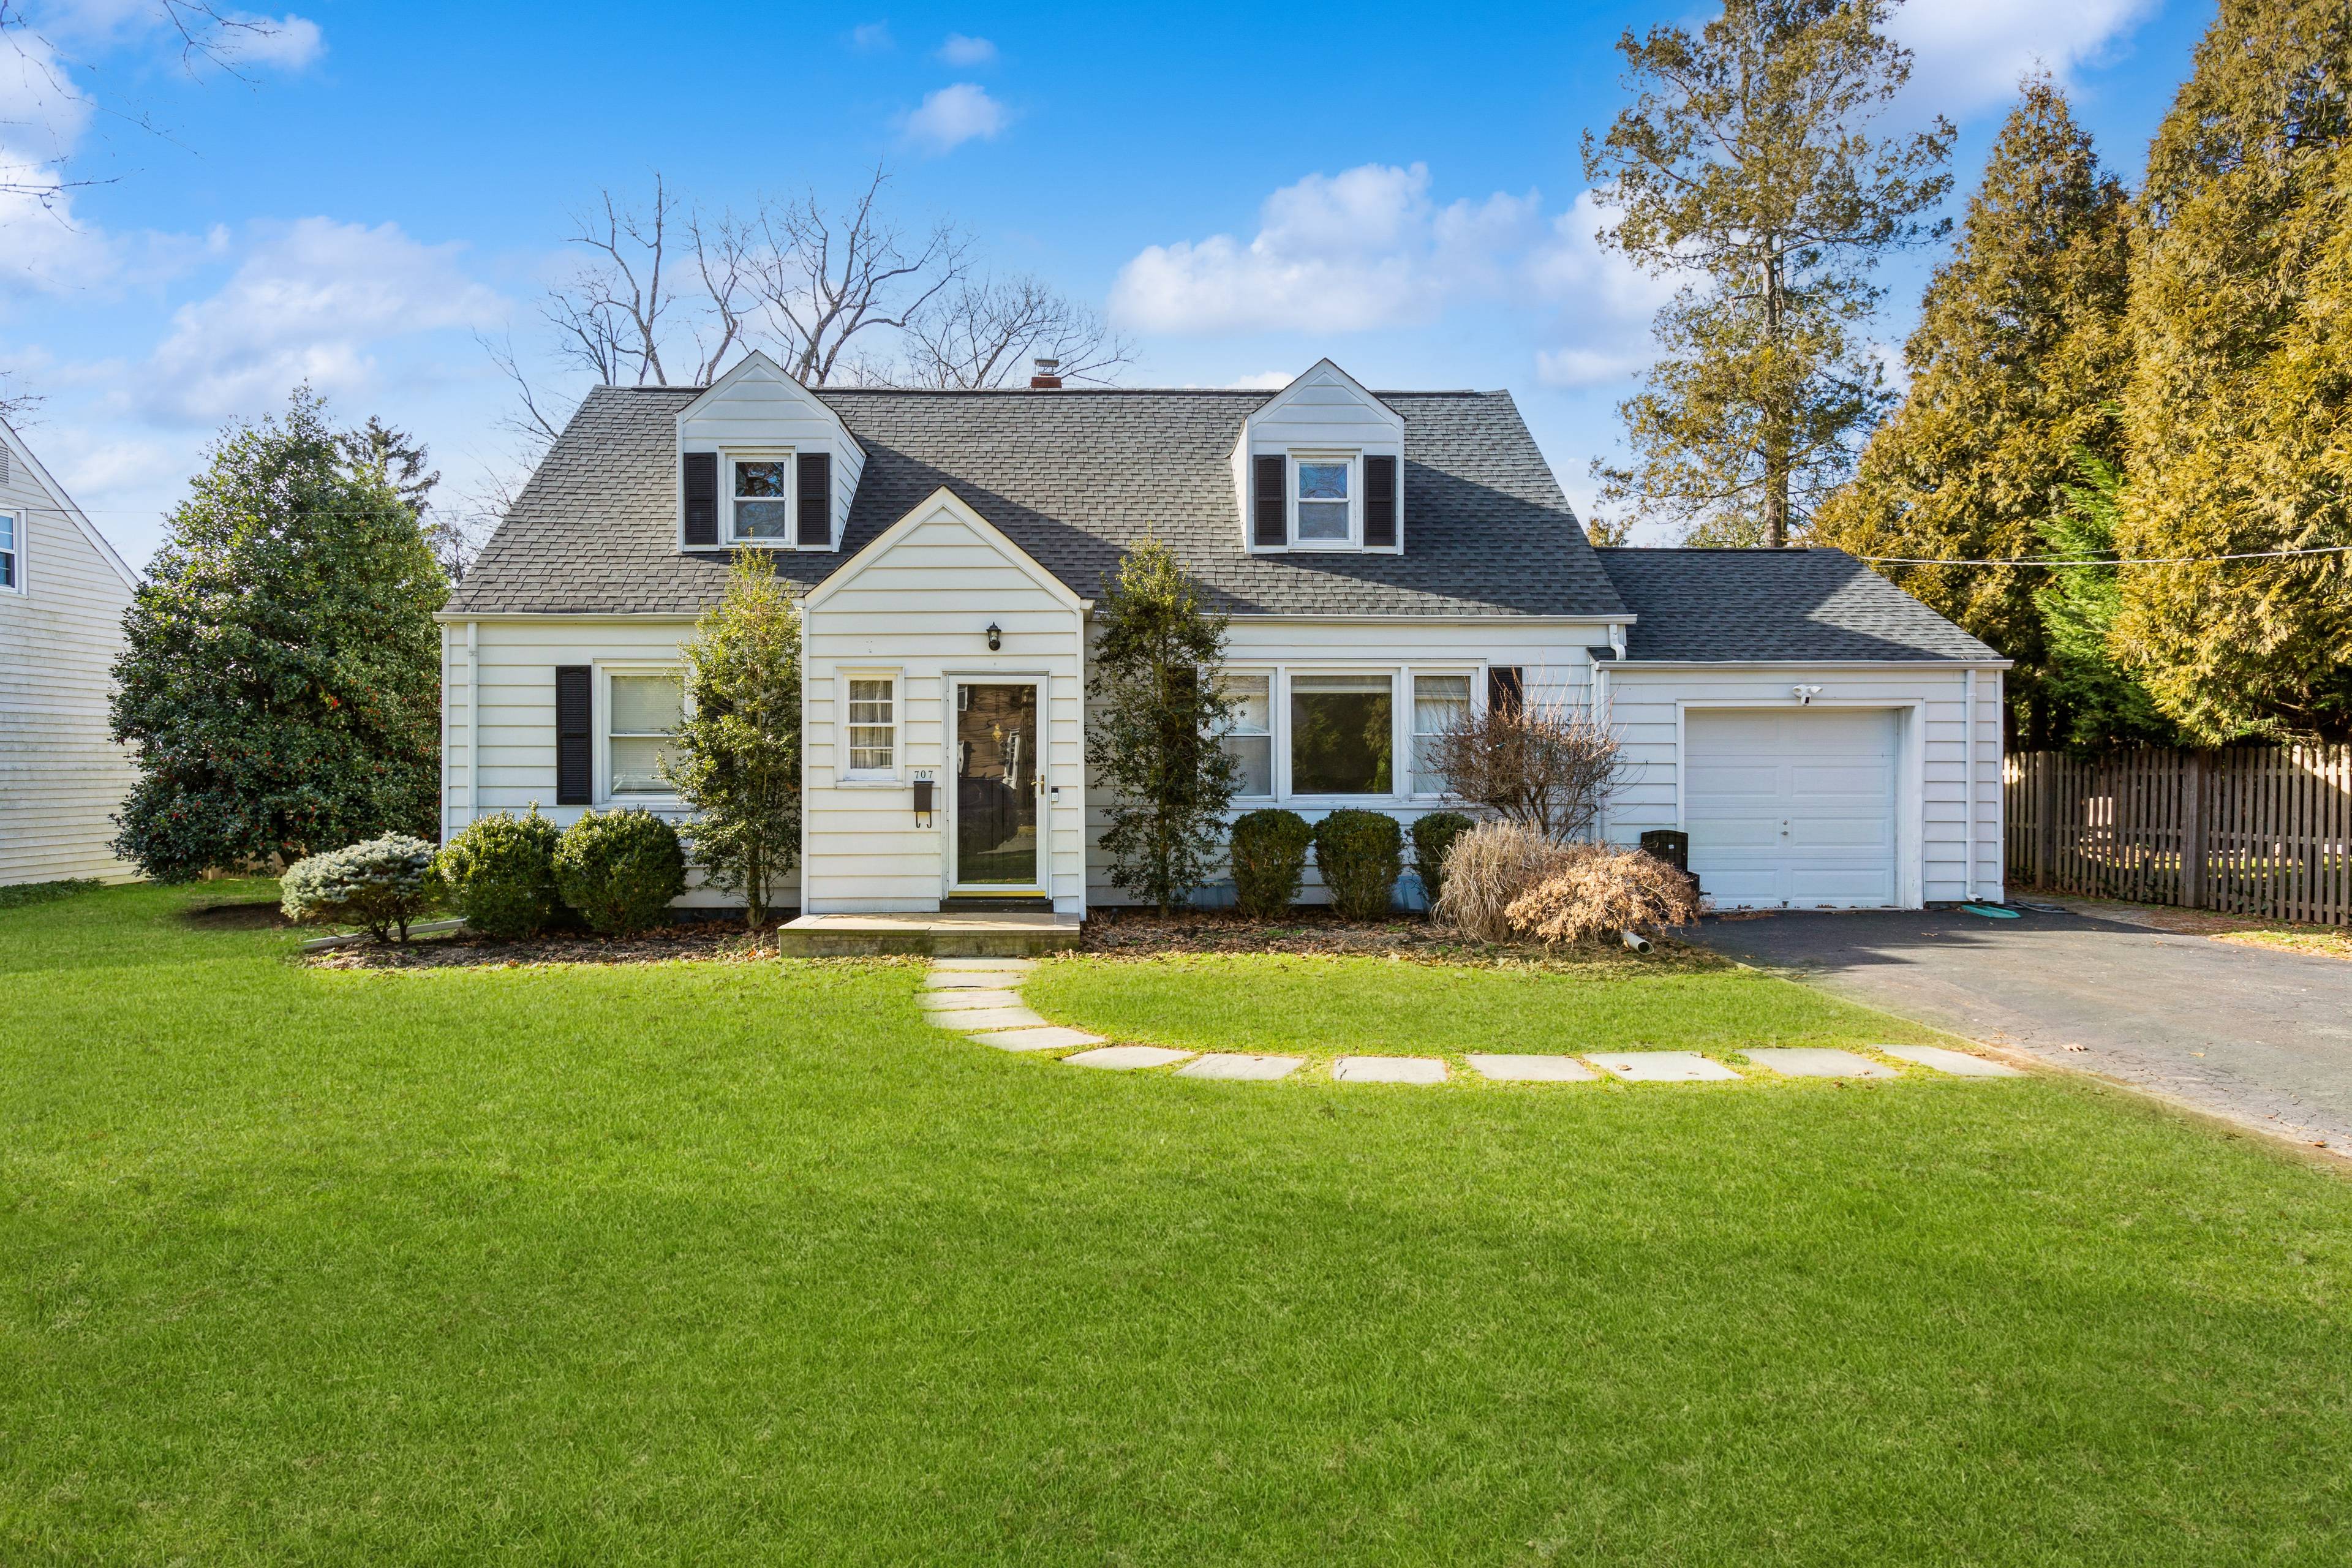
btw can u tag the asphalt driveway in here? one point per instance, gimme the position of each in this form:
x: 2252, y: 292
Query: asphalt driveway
x: 2260, y: 1036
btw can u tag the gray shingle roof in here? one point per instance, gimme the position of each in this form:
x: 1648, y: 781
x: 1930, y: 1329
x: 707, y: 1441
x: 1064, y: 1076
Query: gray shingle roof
x: 1773, y: 605
x: 1072, y: 477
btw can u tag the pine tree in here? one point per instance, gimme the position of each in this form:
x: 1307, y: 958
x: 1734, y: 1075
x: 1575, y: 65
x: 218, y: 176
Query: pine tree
x: 282, y: 680
x: 2239, y: 412
x: 2095, y: 702
x: 2015, y: 366
x: 1746, y: 163
x: 376, y: 451
x: 738, y: 758
x: 1159, y: 651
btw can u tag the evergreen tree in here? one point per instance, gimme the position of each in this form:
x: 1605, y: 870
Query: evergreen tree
x: 738, y: 757
x: 281, y: 682
x: 2096, y: 701
x: 1159, y: 652
x: 2015, y: 365
x: 376, y: 451
x: 2239, y: 412
x: 1747, y: 162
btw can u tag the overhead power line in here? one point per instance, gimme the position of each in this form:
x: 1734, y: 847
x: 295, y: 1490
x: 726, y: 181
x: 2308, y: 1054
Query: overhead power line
x: 2107, y: 561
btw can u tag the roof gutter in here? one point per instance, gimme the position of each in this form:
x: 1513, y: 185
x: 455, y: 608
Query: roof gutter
x: 1995, y: 663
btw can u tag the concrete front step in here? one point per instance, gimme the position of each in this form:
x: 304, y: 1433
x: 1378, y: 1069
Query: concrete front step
x: 953, y: 934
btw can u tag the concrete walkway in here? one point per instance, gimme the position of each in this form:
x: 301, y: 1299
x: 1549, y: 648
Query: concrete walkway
x: 2258, y: 1035
x: 980, y: 998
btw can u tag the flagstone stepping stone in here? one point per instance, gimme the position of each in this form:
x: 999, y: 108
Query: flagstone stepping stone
x: 1049, y: 1037
x: 1233, y: 1065
x: 987, y: 965
x: 1389, y: 1069
x: 1958, y: 1063
x: 1809, y: 1061
x: 971, y: 1021
x: 1660, y: 1066
x: 1126, y: 1058
x: 1533, y: 1070
x: 970, y: 980
x: 953, y: 1001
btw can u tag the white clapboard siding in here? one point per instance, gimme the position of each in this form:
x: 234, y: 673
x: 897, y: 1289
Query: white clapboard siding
x: 1647, y: 706
x: 917, y: 603
x: 61, y: 780
x: 1551, y: 655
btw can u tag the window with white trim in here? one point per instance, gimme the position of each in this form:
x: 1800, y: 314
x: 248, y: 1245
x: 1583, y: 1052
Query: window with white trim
x: 873, y: 726
x: 644, y: 710
x: 11, y: 547
x: 1343, y: 734
x: 1248, y: 736
x: 1323, y: 498
x: 760, y: 498
x: 1438, y: 700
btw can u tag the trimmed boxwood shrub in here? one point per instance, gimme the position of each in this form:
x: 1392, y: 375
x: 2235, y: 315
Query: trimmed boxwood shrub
x: 1433, y: 836
x: 1361, y: 854
x: 500, y: 873
x: 380, y: 884
x: 1268, y: 851
x: 620, y: 869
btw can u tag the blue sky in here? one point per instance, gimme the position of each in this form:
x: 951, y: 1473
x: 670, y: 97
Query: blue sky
x: 1243, y: 190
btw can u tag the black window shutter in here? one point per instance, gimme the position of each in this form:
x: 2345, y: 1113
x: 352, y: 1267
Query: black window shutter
x: 1379, y: 501
x: 1506, y: 691
x: 575, y: 748
x: 701, y: 498
x: 1267, y: 524
x: 813, y: 522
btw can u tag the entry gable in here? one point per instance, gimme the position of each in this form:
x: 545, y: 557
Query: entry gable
x: 934, y: 523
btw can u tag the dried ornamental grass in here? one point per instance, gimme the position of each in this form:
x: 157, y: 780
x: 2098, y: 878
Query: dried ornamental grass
x: 1489, y: 868
x: 1598, y: 891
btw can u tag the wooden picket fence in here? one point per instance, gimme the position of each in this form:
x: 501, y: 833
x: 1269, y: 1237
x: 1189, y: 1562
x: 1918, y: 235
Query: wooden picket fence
x: 2259, y: 830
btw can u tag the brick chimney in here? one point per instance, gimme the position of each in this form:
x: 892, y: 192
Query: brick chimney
x: 1048, y: 378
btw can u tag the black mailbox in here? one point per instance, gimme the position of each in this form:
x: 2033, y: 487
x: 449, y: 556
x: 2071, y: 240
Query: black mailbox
x: 923, y: 803
x: 1669, y: 845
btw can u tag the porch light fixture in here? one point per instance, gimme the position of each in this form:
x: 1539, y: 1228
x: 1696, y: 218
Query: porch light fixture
x: 996, y: 637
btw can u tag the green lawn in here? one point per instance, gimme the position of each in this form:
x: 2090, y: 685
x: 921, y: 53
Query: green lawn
x: 704, y: 1263
x: 1385, y: 1007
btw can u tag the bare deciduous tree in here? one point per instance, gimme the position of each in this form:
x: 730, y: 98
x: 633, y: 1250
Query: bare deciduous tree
x: 609, y: 316
x: 1550, y: 768
x: 982, y: 334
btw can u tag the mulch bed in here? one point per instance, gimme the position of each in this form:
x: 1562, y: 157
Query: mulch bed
x: 250, y: 916
x: 703, y: 941
x: 1124, y: 933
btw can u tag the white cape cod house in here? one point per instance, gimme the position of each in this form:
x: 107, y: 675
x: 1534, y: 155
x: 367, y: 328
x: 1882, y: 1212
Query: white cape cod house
x: 1386, y: 558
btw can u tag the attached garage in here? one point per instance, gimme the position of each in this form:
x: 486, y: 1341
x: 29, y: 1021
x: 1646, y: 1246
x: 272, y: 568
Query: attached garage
x: 1826, y: 741
x: 1795, y: 807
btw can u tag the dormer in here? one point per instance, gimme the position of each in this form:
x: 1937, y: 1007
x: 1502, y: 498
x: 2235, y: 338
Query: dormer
x: 1321, y: 467
x: 763, y: 461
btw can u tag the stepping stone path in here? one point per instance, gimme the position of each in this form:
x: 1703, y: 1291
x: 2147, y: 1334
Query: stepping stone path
x: 1800, y: 1061
x: 1661, y: 1066
x: 1960, y: 1064
x: 980, y: 998
x: 1235, y: 1066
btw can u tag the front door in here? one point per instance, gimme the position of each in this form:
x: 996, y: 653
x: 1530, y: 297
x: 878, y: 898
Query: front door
x: 996, y: 784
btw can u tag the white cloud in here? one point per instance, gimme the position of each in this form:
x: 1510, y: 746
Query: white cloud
x: 310, y: 302
x: 955, y: 115
x: 1262, y: 381
x: 284, y: 43
x: 1369, y: 248
x: 966, y: 53
x: 871, y: 37
x: 1970, y: 53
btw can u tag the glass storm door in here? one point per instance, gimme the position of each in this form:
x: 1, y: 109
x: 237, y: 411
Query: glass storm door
x: 996, y: 784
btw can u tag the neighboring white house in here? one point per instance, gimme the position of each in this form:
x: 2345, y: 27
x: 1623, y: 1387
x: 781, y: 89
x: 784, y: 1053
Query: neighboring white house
x: 62, y: 594
x: 1386, y: 560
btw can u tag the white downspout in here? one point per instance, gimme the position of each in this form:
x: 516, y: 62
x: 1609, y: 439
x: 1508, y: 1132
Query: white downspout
x: 473, y: 721
x: 1969, y: 789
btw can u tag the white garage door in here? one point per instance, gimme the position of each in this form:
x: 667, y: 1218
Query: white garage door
x: 1792, y: 807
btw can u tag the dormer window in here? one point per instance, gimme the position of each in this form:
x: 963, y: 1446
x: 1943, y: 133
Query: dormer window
x: 1323, y: 506
x: 763, y: 498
